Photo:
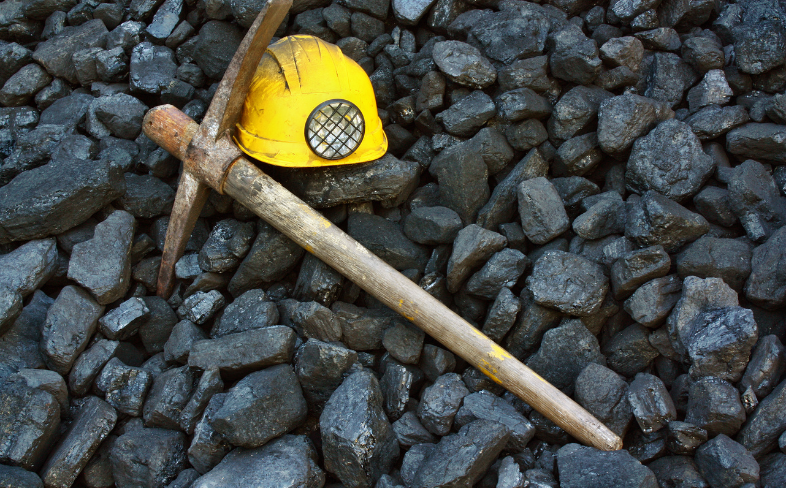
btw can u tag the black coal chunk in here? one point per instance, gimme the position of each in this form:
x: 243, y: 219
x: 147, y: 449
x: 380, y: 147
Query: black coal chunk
x: 760, y: 433
x: 655, y: 219
x: 487, y: 406
x: 386, y: 239
x: 124, y: 387
x: 245, y: 351
x: 56, y: 197
x: 354, y: 412
x: 29, y: 420
x: 148, y: 457
x: 651, y: 403
x: 289, y: 460
x: 715, y: 406
x: 587, y: 467
x: 261, y: 406
x: 724, y: 462
x: 90, y: 427
x: 271, y: 257
x: 167, y: 397
x: 568, y: 283
x: 320, y: 368
x: 559, y: 359
x: 604, y: 393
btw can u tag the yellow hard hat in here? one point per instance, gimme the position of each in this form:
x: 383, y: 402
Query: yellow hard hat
x: 309, y: 105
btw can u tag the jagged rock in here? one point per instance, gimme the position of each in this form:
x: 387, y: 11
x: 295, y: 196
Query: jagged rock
x: 724, y: 462
x: 587, y: 467
x: 568, y: 283
x: 604, y: 393
x: 29, y: 419
x: 655, y: 219
x: 354, y: 412
x: 464, y: 64
x: 148, y: 457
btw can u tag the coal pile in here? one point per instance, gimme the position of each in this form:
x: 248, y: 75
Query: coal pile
x: 598, y: 187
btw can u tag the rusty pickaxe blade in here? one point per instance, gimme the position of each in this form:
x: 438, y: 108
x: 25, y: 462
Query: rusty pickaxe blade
x: 221, y: 116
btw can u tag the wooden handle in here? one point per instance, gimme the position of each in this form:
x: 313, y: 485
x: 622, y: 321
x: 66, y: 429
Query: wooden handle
x: 295, y: 219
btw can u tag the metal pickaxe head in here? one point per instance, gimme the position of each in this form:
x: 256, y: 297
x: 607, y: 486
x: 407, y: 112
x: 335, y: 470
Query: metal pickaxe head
x: 212, y: 137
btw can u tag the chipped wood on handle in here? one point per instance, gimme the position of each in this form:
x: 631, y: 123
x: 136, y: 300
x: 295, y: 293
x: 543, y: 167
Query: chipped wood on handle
x: 309, y: 229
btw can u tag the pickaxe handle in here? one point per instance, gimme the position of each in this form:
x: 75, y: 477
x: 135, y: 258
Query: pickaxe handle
x: 246, y: 183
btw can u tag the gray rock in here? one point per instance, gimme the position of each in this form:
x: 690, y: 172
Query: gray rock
x: 713, y: 121
x: 522, y: 103
x: 146, y: 196
x: 124, y: 387
x: 354, y: 412
x: 766, y: 366
x: 760, y: 433
x: 587, y: 467
x: 719, y: 342
x: 260, y: 407
x: 92, y: 424
x: 23, y: 85
x: 651, y: 303
x: 508, y: 35
x: 464, y: 64
x: 697, y: 295
x: 728, y: 259
x: 712, y: 90
x: 543, y: 215
x: 244, y: 351
x: 32, y: 150
x: 388, y: 180
x: 622, y: 119
x: 208, y: 447
x: 525, y: 73
x: 28, y: 267
x: 689, y: 166
x: 629, y: 351
x: 432, y: 225
x: 102, y: 264
x: 271, y: 257
x: 501, y: 315
x: 677, y: 470
x: 251, y: 310
x: 668, y: 78
x: 526, y: 135
x: 652, y: 406
x: 503, y: 269
x: 574, y: 57
x: 724, y: 462
x: 46, y: 380
x: 148, y: 457
x: 320, y: 368
x: 754, y: 198
x: 409, y: 12
x: 655, y: 219
x: 466, y: 116
x: 440, y: 403
x: 487, y: 406
x: 604, y: 394
x: 165, y: 20
x: 386, y: 239
x: 461, y: 459
x: 568, y: 283
x: 55, y: 54
x: 167, y: 398
x: 215, y: 45
x: 209, y: 384
x: 410, y: 431
x: 111, y: 65
x: 473, y: 245
x: 602, y: 219
x: 201, y: 306
x: 575, y: 111
x: 29, y: 419
x: 757, y: 141
x: 89, y: 364
x: 120, y: 114
x: 435, y: 361
x: 403, y: 341
x: 151, y: 68
x: 764, y: 286
x: 397, y: 383
x: 637, y: 267
x: 290, y: 461
x: 14, y: 57
x: 501, y: 206
x: 227, y: 244
x: 70, y: 323
x: 714, y: 405
x: 759, y: 46
x: 156, y: 330
x: 713, y: 204
x: 19, y: 348
x: 16, y: 476
x: 564, y: 352
x: 56, y: 197
x: 704, y: 53
x: 622, y: 51
x: 124, y: 321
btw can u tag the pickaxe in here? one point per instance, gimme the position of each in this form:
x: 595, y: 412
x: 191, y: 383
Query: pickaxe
x: 212, y: 160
